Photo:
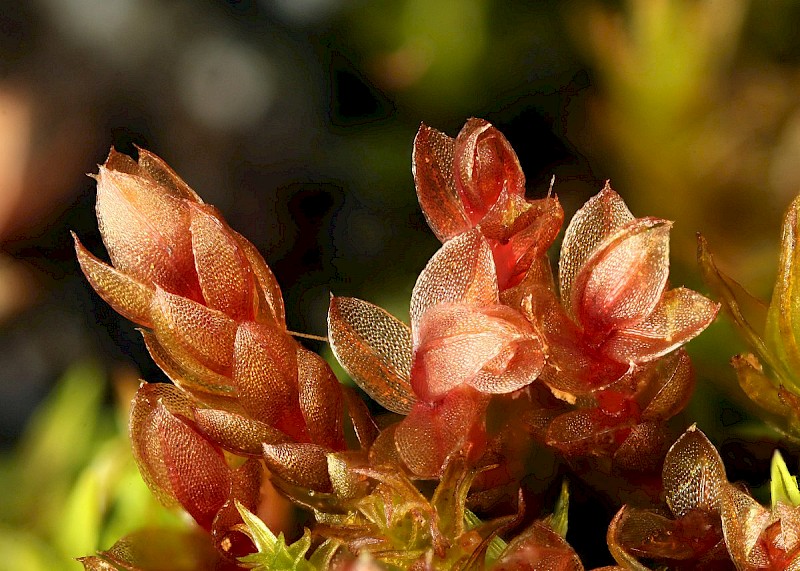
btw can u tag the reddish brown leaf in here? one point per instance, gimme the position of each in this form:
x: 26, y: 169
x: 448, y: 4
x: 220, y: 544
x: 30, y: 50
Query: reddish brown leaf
x: 237, y: 433
x: 222, y: 268
x: 461, y: 271
x: 681, y: 315
x: 375, y: 349
x: 184, y: 327
x: 485, y: 164
x: 490, y: 348
x: 538, y: 548
x: 433, y: 431
x: 599, y: 218
x: 693, y: 474
x: 269, y: 300
x: 145, y: 230
x: 432, y: 165
x: 129, y: 297
x: 304, y: 465
x: 187, y: 372
x: 320, y: 399
x: 620, y: 284
x: 265, y: 372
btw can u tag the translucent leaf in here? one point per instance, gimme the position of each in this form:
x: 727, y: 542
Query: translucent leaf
x: 273, y: 552
x: 222, y: 268
x: 681, y: 315
x: 589, y: 430
x: 783, y: 486
x: 375, y: 349
x: 265, y: 372
x: 520, y: 231
x: 743, y: 522
x: 129, y: 297
x: 158, y: 550
x: 748, y: 313
x: 363, y: 424
x: 760, y: 388
x: 177, y: 462
x: 599, y: 218
x: 304, y: 465
x: 433, y: 431
x: 670, y: 381
x: 492, y: 349
x: 485, y: 164
x: 620, y: 284
x: 270, y: 300
x: 160, y: 172
x: 693, y: 475
x: 540, y: 548
x: 432, y: 165
x: 183, y: 326
x: 461, y: 271
x: 237, y: 433
x: 186, y: 371
x: 320, y: 399
x: 560, y: 518
x: 146, y: 232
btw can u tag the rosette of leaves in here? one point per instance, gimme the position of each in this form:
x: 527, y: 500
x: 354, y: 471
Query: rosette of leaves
x: 770, y: 376
x: 709, y: 522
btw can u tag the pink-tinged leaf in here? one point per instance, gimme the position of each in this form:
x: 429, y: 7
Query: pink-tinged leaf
x: 197, y: 470
x: 207, y: 334
x: 621, y: 283
x: 160, y: 550
x: 589, y: 431
x: 177, y: 462
x: 304, y: 465
x: 573, y: 366
x: 432, y: 165
x: 246, y: 482
x: 433, y: 431
x: 485, y: 164
x: 188, y: 373
x: 383, y: 451
x: 265, y: 372
x: 146, y: 232
x: 461, y: 271
x: 129, y: 297
x: 643, y: 449
x: 364, y: 426
x: 480, y: 346
x: 538, y: 548
x: 144, y: 429
x: 321, y: 401
x: 237, y: 433
x: 374, y: 348
x: 222, y: 268
x: 155, y: 167
x: 599, y: 218
x: 694, y: 540
x: 744, y: 521
x: 269, y: 300
x: 681, y: 315
x: 693, y: 475
x: 519, y: 233
x: 669, y: 383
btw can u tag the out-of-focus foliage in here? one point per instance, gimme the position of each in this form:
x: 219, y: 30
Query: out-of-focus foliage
x: 71, y: 486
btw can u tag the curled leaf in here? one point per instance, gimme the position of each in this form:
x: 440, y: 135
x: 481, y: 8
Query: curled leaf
x: 375, y: 349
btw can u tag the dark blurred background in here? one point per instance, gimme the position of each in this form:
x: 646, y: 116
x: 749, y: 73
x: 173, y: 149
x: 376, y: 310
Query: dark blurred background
x: 296, y: 118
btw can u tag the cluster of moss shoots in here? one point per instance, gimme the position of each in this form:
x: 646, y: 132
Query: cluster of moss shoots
x: 503, y: 360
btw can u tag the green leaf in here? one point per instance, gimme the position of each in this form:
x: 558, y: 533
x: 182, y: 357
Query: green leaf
x: 783, y: 485
x: 273, y: 552
x: 558, y: 521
